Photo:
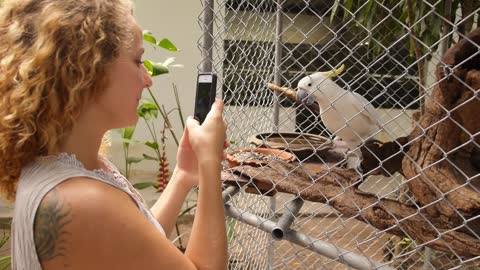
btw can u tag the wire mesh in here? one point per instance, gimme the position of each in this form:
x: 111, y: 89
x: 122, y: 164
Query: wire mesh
x: 390, y: 50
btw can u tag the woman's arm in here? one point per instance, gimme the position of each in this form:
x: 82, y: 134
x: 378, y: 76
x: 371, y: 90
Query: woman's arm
x: 88, y: 224
x: 199, y: 162
x: 208, y: 234
x: 168, y: 206
x: 185, y: 176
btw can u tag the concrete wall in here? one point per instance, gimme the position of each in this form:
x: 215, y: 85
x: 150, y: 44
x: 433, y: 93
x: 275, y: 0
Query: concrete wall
x: 178, y: 22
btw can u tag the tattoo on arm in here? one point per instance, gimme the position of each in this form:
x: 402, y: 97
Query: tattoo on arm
x: 52, y: 216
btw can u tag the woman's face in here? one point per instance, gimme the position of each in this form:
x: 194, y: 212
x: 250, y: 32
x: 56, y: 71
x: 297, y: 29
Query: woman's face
x: 127, y: 77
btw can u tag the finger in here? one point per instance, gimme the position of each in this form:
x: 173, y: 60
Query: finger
x: 192, y: 123
x: 184, y: 136
x: 217, y: 107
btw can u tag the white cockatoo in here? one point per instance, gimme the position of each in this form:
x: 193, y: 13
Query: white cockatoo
x: 346, y: 114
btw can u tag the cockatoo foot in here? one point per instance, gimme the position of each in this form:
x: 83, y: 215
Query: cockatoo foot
x: 354, y: 163
x: 354, y: 160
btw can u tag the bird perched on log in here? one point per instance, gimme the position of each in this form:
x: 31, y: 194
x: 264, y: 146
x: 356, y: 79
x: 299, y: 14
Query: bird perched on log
x: 347, y: 115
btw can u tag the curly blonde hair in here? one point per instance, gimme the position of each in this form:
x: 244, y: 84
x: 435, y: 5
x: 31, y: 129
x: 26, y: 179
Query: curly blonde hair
x: 54, y: 56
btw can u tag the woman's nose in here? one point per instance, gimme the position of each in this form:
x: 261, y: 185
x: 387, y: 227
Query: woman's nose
x: 148, y: 82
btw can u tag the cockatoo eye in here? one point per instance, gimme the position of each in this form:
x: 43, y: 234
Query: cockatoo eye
x: 309, y: 84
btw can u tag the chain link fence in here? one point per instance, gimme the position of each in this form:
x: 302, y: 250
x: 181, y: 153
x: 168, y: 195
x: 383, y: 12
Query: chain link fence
x: 413, y: 202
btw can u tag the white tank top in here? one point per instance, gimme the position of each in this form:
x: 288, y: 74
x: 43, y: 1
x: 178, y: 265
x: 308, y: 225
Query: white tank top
x: 36, y: 180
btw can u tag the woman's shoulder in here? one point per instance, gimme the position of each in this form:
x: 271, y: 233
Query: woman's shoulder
x: 50, y: 165
x: 43, y: 174
x: 58, y: 168
x: 91, y: 225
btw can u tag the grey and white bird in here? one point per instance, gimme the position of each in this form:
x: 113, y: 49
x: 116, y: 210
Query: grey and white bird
x: 345, y: 114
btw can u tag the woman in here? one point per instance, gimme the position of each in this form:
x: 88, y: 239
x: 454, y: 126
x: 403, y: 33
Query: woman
x: 70, y: 70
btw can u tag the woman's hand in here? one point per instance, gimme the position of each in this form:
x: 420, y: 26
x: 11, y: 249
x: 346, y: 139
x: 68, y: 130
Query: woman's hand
x: 187, y: 163
x: 206, y: 141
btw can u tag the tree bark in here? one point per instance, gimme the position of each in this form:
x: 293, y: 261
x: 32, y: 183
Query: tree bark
x: 444, y: 143
x: 468, y: 7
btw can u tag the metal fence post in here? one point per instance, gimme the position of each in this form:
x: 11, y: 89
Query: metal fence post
x: 276, y: 105
x: 207, y: 44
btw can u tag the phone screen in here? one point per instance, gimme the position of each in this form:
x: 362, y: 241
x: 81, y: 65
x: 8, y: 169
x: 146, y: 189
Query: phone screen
x: 205, y: 96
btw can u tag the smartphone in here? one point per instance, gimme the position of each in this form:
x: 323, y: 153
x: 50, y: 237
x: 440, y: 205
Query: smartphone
x: 205, y: 97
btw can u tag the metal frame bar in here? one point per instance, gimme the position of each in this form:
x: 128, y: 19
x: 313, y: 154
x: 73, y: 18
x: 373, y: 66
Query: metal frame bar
x: 276, y: 105
x: 318, y: 246
x: 229, y: 192
x: 207, y: 44
x: 286, y: 220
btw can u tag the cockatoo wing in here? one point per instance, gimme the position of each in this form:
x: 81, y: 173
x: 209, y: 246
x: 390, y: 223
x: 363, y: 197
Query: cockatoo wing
x: 367, y: 111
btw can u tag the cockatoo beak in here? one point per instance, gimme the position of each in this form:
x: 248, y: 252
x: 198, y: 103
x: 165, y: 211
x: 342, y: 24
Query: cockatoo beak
x: 334, y: 73
x: 304, y: 97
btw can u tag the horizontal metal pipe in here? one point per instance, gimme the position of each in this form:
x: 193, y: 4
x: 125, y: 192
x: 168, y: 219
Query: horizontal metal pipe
x: 229, y: 192
x: 318, y: 246
x: 286, y: 220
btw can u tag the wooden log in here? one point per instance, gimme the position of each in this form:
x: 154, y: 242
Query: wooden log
x: 440, y: 163
x: 336, y: 187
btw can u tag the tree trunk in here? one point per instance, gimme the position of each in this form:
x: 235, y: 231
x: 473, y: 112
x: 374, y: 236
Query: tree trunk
x: 443, y: 145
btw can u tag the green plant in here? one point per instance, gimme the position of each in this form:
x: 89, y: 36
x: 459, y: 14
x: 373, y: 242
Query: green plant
x: 428, y: 23
x: 5, y: 261
x: 149, y: 110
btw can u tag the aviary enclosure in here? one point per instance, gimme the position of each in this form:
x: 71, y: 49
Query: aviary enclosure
x: 411, y: 71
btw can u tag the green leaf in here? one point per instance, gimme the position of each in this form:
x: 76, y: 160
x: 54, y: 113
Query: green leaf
x: 155, y: 69
x: 5, y: 262
x: 348, y: 6
x: 230, y: 229
x: 127, y: 136
x: 167, y: 45
x: 367, y: 15
x: 153, y: 145
x: 127, y: 141
x: 147, y: 110
x: 144, y: 185
x: 131, y: 160
x: 119, y: 131
x: 334, y: 11
x: 148, y: 37
x: 147, y: 157
x: 128, y: 132
x: 232, y: 142
x: 368, y: 8
x: 369, y: 19
x: 149, y: 102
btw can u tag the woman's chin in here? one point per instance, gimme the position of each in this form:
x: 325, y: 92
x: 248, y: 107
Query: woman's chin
x: 127, y: 122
